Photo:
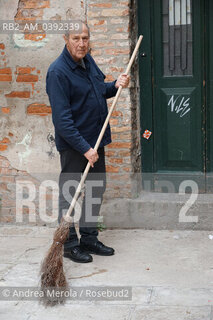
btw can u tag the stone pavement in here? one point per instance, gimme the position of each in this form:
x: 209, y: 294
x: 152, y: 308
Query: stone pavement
x: 170, y: 273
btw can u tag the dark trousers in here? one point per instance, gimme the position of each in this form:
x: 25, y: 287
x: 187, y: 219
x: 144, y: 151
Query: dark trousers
x: 72, y: 167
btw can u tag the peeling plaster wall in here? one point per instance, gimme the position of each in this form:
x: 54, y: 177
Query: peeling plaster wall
x: 30, y: 132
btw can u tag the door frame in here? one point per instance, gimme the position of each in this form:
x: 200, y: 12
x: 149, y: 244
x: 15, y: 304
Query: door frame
x: 146, y: 87
x: 209, y: 83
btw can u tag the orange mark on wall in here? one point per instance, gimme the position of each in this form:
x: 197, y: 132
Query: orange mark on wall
x: 5, y: 110
x: 3, y: 144
x: 34, y: 37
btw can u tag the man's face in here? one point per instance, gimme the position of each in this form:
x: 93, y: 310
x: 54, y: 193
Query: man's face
x: 78, y: 44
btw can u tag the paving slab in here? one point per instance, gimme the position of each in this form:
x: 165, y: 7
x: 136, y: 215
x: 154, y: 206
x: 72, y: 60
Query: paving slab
x: 172, y: 313
x: 34, y: 311
x: 182, y: 296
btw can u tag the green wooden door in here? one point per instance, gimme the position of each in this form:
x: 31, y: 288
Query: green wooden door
x: 176, y: 89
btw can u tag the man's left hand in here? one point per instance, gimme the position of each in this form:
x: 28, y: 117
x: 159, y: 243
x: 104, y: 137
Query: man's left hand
x: 123, y: 80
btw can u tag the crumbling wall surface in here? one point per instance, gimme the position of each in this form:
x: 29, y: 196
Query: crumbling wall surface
x: 26, y: 132
x: 26, y: 125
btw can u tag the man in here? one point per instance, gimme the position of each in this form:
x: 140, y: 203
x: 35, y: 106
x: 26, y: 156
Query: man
x: 77, y: 93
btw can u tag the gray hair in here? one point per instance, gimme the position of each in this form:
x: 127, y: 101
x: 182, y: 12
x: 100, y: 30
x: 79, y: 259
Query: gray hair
x: 71, y: 32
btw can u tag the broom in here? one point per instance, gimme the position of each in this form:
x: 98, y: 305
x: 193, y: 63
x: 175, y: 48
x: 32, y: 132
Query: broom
x: 53, y: 281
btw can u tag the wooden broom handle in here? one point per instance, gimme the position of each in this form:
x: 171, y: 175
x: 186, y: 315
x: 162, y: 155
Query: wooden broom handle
x: 72, y: 205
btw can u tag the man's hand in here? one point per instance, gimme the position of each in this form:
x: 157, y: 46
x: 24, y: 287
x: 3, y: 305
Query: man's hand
x: 92, y: 156
x: 123, y: 80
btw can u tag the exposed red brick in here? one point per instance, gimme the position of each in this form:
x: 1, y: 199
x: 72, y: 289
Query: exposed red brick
x: 99, y: 23
x: 8, y: 202
x: 27, y: 78
x: 120, y: 129
x: 109, y: 77
x: 120, y: 145
x: 3, y: 187
x: 97, y: 52
x: 114, y: 12
x: 115, y: 160
x: 34, y: 4
x: 117, y: 20
x: 5, y: 71
x: 117, y: 52
x: 123, y: 177
x: 124, y: 3
x: 109, y: 153
x: 8, y: 179
x: 35, y: 37
x: 23, y: 70
x: 39, y: 109
x: 120, y: 29
x: 20, y: 19
x: 97, y: 29
x: 97, y: 44
x: 8, y: 171
x: 116, y: 69
x: 5, y: 140
x: 28, y: 15
x: 5, y: 110
x: 114, y: 137
x: 18, y: 94
x: 123, y: 153
x: 117, y: 113
x: 101, y: 5
x: 103, y: 60
x: 3, y: 147
x: 127, y: 169
x: 125, y: 137
x: 113, y: 122
x: 112, y: 169
x: 120, y: 36
x: 5, y: 77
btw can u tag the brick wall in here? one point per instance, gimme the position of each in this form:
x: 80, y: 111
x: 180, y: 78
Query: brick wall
x: 113, y: 34
x: 25, y: 112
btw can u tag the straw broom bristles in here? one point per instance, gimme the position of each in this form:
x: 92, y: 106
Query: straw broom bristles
x: 53, y: 280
